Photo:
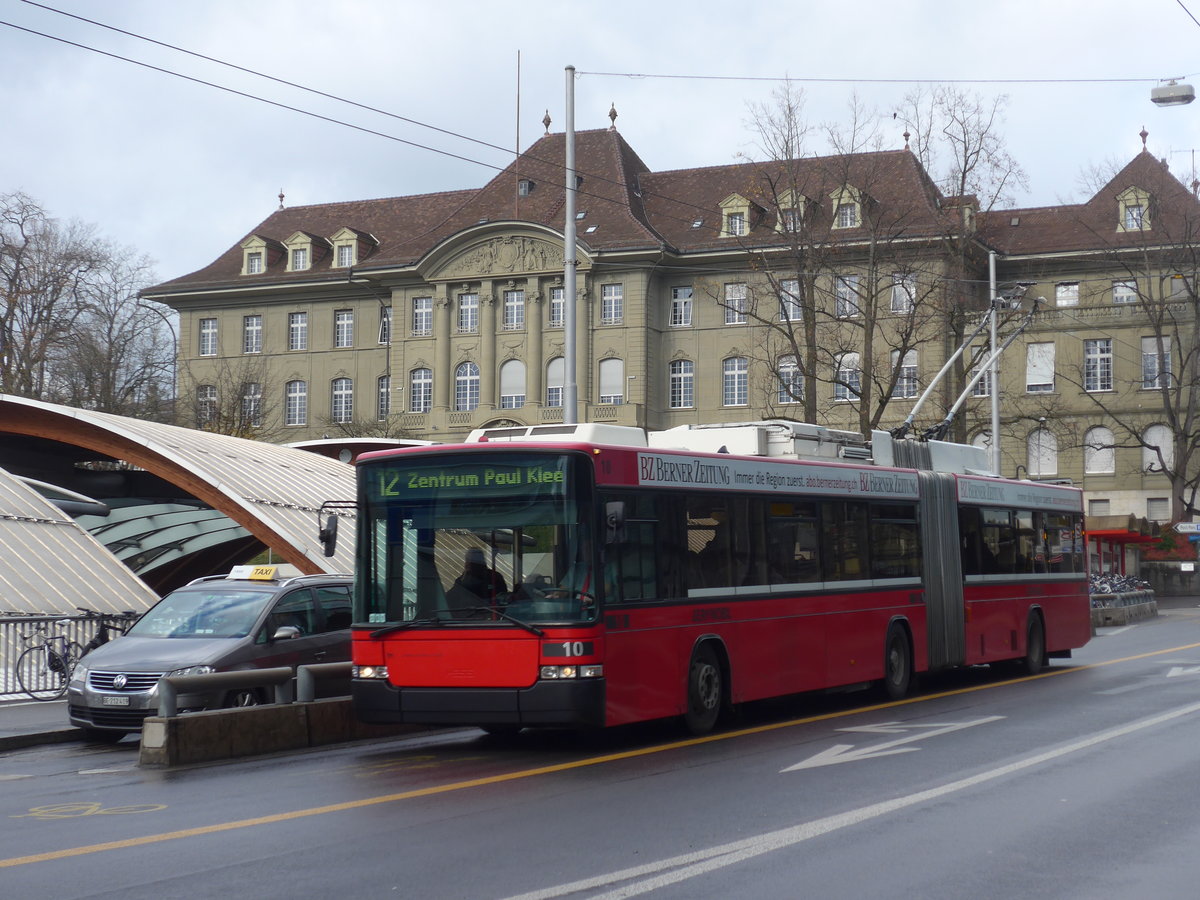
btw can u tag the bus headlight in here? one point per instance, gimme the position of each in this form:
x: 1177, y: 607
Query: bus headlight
x: 555, y: 673
x: 372, y: 672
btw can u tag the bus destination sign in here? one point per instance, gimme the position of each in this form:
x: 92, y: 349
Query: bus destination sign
x: 392, y: 481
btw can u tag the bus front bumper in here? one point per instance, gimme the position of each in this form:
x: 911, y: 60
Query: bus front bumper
x: 576, y: 703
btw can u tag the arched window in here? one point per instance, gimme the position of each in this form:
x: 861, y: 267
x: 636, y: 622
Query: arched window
x: 1099, y: 455
x: 556, y: 376
x: 1041, y: 453
x: 612, y: 381
x: 466, y: 387
x: 791, y: 381
x: 735, y: 387
x: 1158, y: 440
x: 341, y: 407
x: 512, y: 384
x: 206, y: 405
x: 420, y: 390
x: 295, y: 403
x: 681, y: 384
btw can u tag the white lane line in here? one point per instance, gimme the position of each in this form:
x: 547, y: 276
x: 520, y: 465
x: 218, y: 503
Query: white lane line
x: 675, y: 869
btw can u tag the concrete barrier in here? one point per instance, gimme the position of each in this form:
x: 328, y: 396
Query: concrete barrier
x: 220, y: 734
x: 1121, y: 609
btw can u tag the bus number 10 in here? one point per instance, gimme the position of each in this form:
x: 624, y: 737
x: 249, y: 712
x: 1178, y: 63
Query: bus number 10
x: 568, y: 649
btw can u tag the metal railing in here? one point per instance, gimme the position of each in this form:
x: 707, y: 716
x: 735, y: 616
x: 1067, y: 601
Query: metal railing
x: 280, y: 678
x: 16, y: 627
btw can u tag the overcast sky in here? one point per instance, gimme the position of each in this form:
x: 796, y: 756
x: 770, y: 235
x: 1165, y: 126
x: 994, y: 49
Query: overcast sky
x: 181, y: 171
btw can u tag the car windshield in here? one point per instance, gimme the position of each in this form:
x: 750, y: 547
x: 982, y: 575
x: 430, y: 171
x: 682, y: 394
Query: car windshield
x: 207, y: 611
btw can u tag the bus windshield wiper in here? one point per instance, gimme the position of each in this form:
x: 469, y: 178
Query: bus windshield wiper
x: 532, y: 629
x: 399, y: 626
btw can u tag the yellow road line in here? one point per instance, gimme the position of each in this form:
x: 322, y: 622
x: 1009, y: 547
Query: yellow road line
x: 541, y: 770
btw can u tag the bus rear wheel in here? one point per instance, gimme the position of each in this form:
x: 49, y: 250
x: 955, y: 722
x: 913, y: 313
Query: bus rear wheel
x: 897, y: 664
x: 705, y: 691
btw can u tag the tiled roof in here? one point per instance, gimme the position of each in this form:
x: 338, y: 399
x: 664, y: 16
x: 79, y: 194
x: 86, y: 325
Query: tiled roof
x: 625, y: 206
x: 1093, y: 225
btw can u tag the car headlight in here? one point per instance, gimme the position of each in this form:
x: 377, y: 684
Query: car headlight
x: 79, y: 674
x: 192, y: 670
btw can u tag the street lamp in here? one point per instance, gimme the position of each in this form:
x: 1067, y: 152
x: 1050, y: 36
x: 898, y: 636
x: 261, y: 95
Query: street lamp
x: 1172, y: 94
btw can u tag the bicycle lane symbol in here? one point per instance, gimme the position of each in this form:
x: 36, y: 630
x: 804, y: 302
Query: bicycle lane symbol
x: 76, y: 810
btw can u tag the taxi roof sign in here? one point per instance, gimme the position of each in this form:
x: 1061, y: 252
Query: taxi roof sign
x: 254, y: 573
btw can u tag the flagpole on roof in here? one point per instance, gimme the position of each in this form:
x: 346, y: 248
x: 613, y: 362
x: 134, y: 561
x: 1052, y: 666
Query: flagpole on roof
x: 570, y: 386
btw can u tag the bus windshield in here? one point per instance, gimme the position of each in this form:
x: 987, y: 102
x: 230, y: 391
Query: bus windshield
x: 481, y: 538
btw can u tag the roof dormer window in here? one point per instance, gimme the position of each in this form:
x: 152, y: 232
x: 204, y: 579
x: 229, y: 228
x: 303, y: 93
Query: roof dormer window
x: 299, y: 259
x: 254, y: 262
x: 305, y: 251
x: 525, y: 187
x: 735, y: 216
x: 259, y: 253
x: 847, y: 207
x: 791, y: 212
x: 1133, y: 210
x: 350, y: 247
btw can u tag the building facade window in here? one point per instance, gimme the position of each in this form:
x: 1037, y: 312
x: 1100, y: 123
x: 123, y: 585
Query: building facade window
x: 789, y: 220
x: 254, y: 262
x: 298, y: 331
x: 558, y: 308
x: 252, y: 404
x: 983, y: 387
x: 789, y: 300
x: 420, y: 390
x: 556, y: 376
x: 1156, y: 365
x: 1041, y: 452
x: 466, y: 387
x: 1158, y: 449
x: 1099, y: 507
x: 1098, y: 365
x: 1124, y: 292
x: 791, y: 381
x: 468, y: 313
x: 846, y: 215
x: 385, y: 325
x: 612, y: 304
x: 341, y: 407
x: 208, y: 337
x: 383, y: 397
x: 735, y: 224
x: 906, y: 374
x: 512, y: 384
x: 681, y: 307
x: 345, y: 256
x: 681, y: 377
x: 1039, y: 368
x: 847, y: 383
x: 845, y: 296
x: 299, y: 259
x: 295, y: 403
x: 735, y: 383
x: 422, y: 316
x: 1158, y: 509
x: 735, y: 304
x: 514, y: 310
x: 206, y: 405
x: 252, y: 334
x: 343, y: 328
x: 1066, y: 293
x: 904, y: 292
x: 612, y: 381
x: 1099, y: 452
x: 1134, y: 216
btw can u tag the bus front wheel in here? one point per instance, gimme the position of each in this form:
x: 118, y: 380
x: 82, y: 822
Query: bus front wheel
x: 705, y: 691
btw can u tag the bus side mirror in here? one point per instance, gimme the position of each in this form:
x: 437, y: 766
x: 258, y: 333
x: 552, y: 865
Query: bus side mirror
x: 328, y: 535
x: 614, y: 520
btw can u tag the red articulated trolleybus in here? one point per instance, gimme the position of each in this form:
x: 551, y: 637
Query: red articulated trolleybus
x: 593, y: 575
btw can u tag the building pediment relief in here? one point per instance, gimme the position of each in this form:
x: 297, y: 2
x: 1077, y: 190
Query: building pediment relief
x: 501, y: 256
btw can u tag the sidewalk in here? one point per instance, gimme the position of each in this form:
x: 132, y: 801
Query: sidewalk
x: 28, y: 723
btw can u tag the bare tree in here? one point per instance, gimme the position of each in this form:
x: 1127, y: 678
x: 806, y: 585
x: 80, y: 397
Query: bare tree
x: 232, y: 395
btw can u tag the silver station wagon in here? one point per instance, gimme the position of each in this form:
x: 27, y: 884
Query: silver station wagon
x: 249, y: 619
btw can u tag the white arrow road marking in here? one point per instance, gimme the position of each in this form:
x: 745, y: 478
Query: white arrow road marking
x: 840, y: 753
x: 655, y: 875
x: 1183, y: 670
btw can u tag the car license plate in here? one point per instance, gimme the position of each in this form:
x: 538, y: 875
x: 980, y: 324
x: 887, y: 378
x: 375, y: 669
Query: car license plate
x: 115, y: 701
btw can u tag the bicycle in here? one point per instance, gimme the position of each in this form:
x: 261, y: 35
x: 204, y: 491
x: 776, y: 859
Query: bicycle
x: 44, y: 668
